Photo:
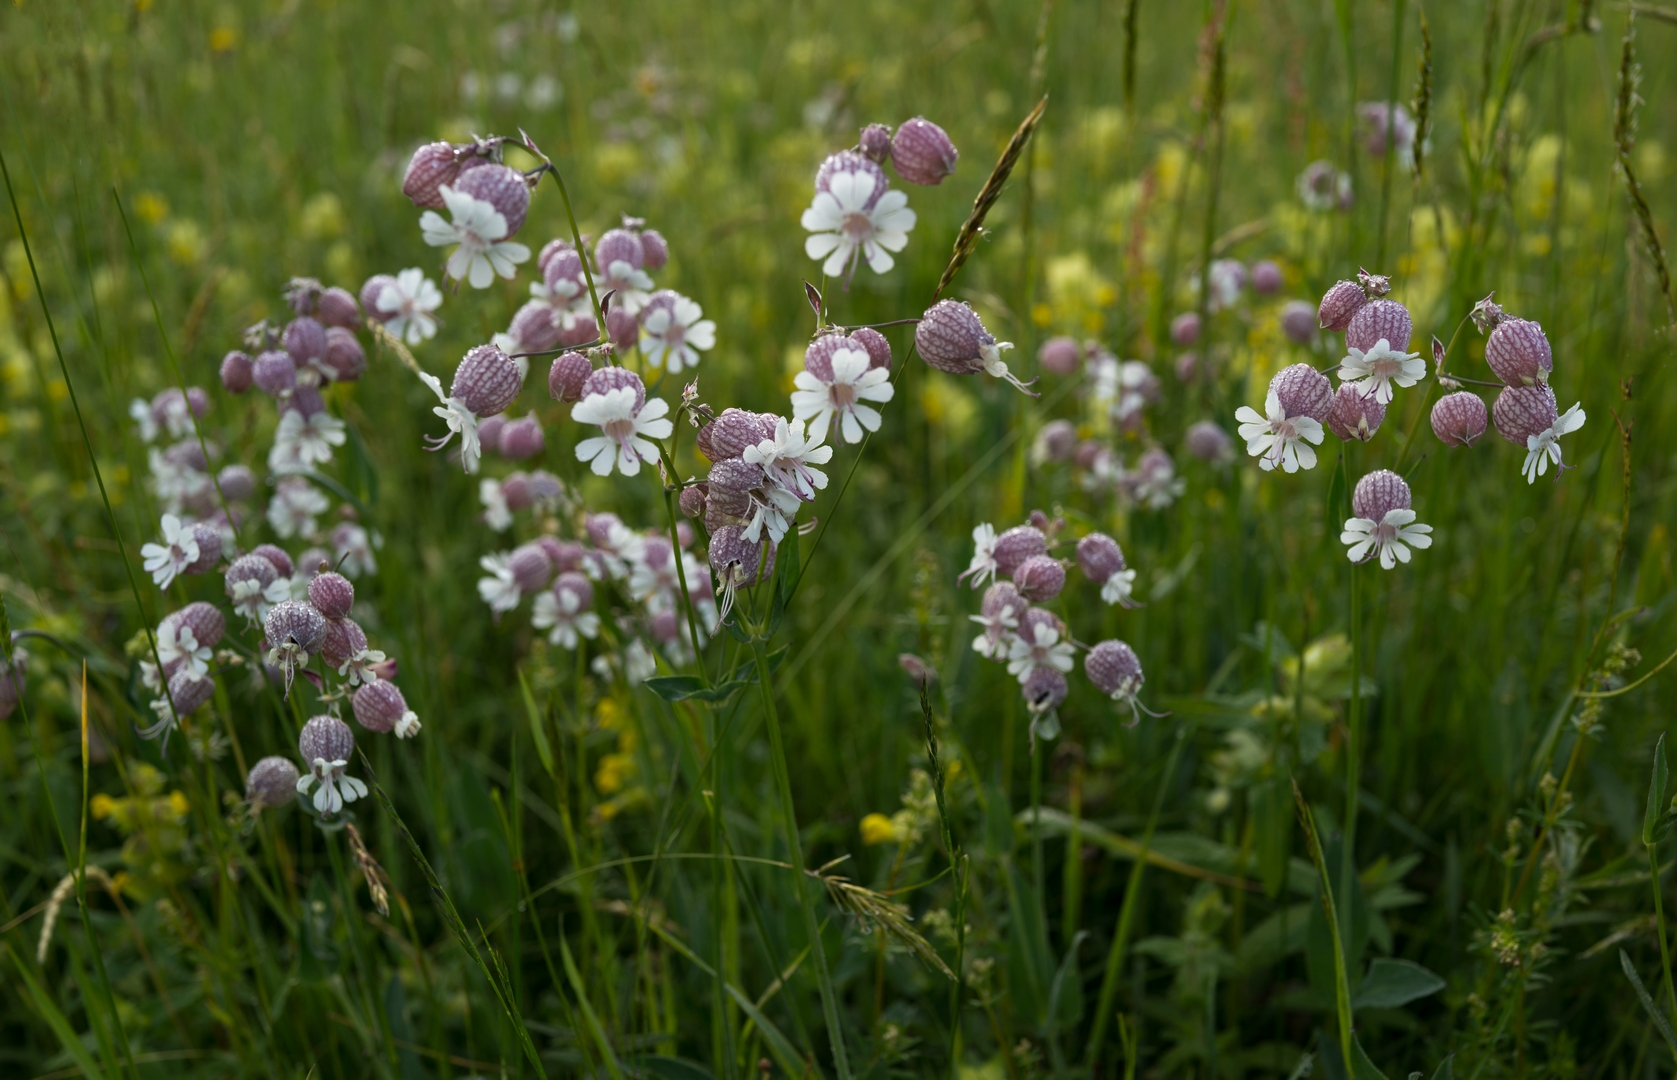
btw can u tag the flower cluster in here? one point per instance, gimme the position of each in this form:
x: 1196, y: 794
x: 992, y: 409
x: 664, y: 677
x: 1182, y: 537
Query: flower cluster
x: 1031, y: 640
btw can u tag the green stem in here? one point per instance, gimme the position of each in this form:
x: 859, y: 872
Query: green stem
x: 795, y: 853
x: 1353, y: 746
x: 1665, y: 948
x: 1341, y: 984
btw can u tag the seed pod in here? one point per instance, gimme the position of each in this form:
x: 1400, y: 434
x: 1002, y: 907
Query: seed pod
x: 1185, y: 329
x: 1266, y: 278
x: 209, y: 549
x: 344, y: 355
x: 567, y: 376
x: 952, y: 338
x: 1044, y: 689
x: 1376, y: 321
x: 1459, y: 419
x: 619, y: 245
x: 1518, y: 352
x: 874, y: 344
x: 338, y: 308
x: 344, y: 639
x: 189, y: 692
x: 1039, y: 578
x: 736, y: 559
x: 1355, y: 415
x: 875, y: 143
x: 371, y: 291
x: 274, y: 372
x: 487, y: 380
x: 655, y: 249
x: 522, y: 439
x: 1100, y: 557
x: 735, y: 430
x: 1016, y: 545
x: 236, y: 372
x: 1059, y: 355
x: 605, y: 380
x: 1208, y: 442
x: 1113, y: 668
x: 204, y: 620
x: 326, y: 738
x: 432, y: 166
x: 1378, y: 493
x: 295, y: 623
x: 1303, y: 391
x: 502, y: 187
x: 852, y: 162
x: 693, y: 500
x: 1339, y: 304
x: 304, y: 340
x: 276, y: 556
x: 534, y: 327
x: 272, y: 783
x: 531, y: 568
x: 379, y: 706
x: 332, y: 595
x: 922, y: 152
x: 1523, y: 411
x: 1298, y: 322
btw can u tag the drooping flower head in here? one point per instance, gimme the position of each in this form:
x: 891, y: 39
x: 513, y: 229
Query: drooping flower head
x: 1459, y: 419
x: 1299, y: 399
x: 485, y: 383
x: 1339, y: 304
x: 922, y: 152
x: 325, y: 745
x: 436, y: 164
x: 838, y: 379
x: 952, y: 338
x: 1037, y: 643
x: 1116, y: 672
x: 1527, y: 416
x: 999, y: 615
x: 1356, y: 413
x: 1207, y: 441
x: 614, y: 400
x: 566, y: 611
x: 1039, y: 578
x: 272, y: 783
x: 854, y: 218
x: 487, y: 206
x: 1384, y: 524
x: 673, y: 331
x: 171, y: 558
x: 621, y: 257
x: 738, y: 562
x: 1518, y: 352
x: 1102, y: 562
x: 295, y: 631
x: 380, y: 707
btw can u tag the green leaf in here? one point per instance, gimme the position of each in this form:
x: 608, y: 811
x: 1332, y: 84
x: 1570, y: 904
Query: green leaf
x: 670, y: 1068
x: 538, y: 728
x: 1272, y: 817
x: 1446, y: 1069
x: 676, y: 687
x: 787, y: 571
x: 685, y: 687
x: 1334, y: 510
x: 1656, y: 795
x: 1361, y: 1067
x: 1642, y: 994
x: 1393, y: 983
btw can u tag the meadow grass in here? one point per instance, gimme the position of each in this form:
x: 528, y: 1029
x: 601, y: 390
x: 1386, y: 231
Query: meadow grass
x: 581, y: 876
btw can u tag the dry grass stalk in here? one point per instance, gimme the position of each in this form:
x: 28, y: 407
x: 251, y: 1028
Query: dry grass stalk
x: 967, y: 239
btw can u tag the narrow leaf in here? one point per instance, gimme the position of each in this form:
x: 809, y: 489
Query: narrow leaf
x: 1656, y: 794
x: 1393, y: 983
x: 538, y: 727
x: 1648, y: 1005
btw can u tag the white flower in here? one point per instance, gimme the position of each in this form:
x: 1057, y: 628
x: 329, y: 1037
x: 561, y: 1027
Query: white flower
x: 1106, y: 472
x: 1120, y: 588
x: 362, y: 667
x: 352, y: 549
x: 178, y: 550
x: 627, y: 433
x: 1282, y: 440
x: 294, y: 507
x: 180, y: 643
x: 335, y: 788
x: 304, y: 442
x: 774, y: 509
x: 499, y: 590
x: 479, y: 229
x: 638, y: 664
x: 786, y: 458
x: 496, y: 514
x: 997, y: 637
x: 1391, y: 537
x: 845, y: 230
x: 1380, y: 367
x: 176, y: 485
x: 1105, y: 378
x: 853, y: 382
x: 1545, y: 446
x: 409, y: 303
x: 631, y: 286
x: 570, y: 301
x: 140, y: 411
x: 1046, y: 651
x: 252, y: 601
x: 982, y: 568
x: 675, y: 335
x: 460, y: 420
x: 562, y: 617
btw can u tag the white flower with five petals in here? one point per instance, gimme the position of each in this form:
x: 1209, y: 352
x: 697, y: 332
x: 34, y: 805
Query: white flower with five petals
x: 673, y: 336
x: 822, y: 401
x: 1046, y: 651
x: 1281, y: 439
x: 1545, y: 446
x: 1390, y: 538
x: 181, y: 643
x: 408, y: 304
x: 846, y: 230
x: 302, y: 442
x: 500, y: 589
x: 178, y: 550
x: 786, y: 458
x: 480, y: 230
x: 982, y: 568
x: 1381, y: 367
x: 563, y: 617
x: 627, y: 431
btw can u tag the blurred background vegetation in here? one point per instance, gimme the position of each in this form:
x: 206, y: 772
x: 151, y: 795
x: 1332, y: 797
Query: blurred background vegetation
x: 253, y: 142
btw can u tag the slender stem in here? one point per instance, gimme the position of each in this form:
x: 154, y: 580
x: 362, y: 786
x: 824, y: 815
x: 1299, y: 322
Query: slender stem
x: 1391, y: 131
x: 1353, y: 747
x: 795, y: 852
x: 576, y: 233
x: 1665, y: 948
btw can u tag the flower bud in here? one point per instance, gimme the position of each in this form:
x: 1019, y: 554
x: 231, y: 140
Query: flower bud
x: 1113, y: 668
x: 276, y: 557
x: 1016, y: 545
x: 1099, y: 556
x: 304, y: 339
x: 338, y: 308
x: 534, y: 328
x: 567, y: 376
x: 487, y: 380
x: 489, y: 434
x: 204, y: 620
x: 1298, y: 322
x: 1459, y: 419
x: 1056, y: 441
x: 380, y: 707
x: 432, y: 166
x: 1523, y: 411
x: 1303, y: 391
x: 237, y: 482
x: 852, y: 162
x: 272, y: 783
x: 1379, y: 493
x: 1376, y: 321
x: 235, y: 372
x: 326, y: 738
x: 332, y: 595
x: 735, y: 430
x: 951, y: 337
x: 1208, y: 442
x: 189, y: 692
x: 922, y: 152
x: 209, y: 549
x: 1044, y: 689
x: 1518, y: 352
x: 522, y: 439
x: 274, y: 372
x: 531, y: 568
x: 874, y: 344
x: 619, y: 245
x: 736, y: 559
x: 1185, y: 329
x: 1040, y: 578
x: 875, y: 143
x: 502, y: 187
x: 1266, y: 278
x: 1059, y: 355
x: 344, y: 639
x: 371, y: 291
x: 1339, y: 304
x: 655, y: 249
x: 292, y: 622
x: 344, y: 355
x: 552, y: 250
x: 693, y: 500
x: 1355, y: 415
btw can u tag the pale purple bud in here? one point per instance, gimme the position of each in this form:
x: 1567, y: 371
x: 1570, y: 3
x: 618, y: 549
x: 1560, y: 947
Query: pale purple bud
x: 1355, y: 415
x: 692, y: 500
x: 818, y: 357
x: 332, y: 595
x: 489, y: 434
x: 1374, y: 285
x: 875, y: 143
x: 292, y: 622
x: 565, y: 379
x: 1487, y: 314
x: 619, y: 245
x: 326, y: 738
x: 344, y: 355
x: 952, y: 338
x: 1303, y: 391
x: 875, y: 344
x: 1523, y: 411
x: 1040, y: 578
x: 370, y: 293
x: 276, y: 557
x: 531, y: 568
x: 1266, y: 278
x: 189, y: 692
x: 1059, y: 355
x: 274, y: 372
x: 379, y: 706
x: 1185, y: 329
x: 237, y: 482
x: 655, y: 248
x: 235, y: 372
x: 1339, y: 304
x: 600, y: 527
x: 1045, y: 689
x: 337, y: 307
x: 622, y: 328
x: 1100, y: 557
x: 1056, y: 441
x: 1298, y: 322
x: 305, y: 400
x: 1113, y: 668
x: 272, y: 783
x: 1379, y: 493
x: 515, y: 489
x: 1379, y: 320
x: 204, y: 620
x: 487, y: 380
x: 735, y: 430
x: 502, y: 187
x: 209, y: 549
x: 1208, y: 442
x: 1016, y: 545
x: 850, y: 161
x: 922, y: 152
x: 432, y: 166
x: 606, y: 379
x: 578, y: 586
x: 1519, y: 353
x: 552, y: 250
x: 522, y: 439
x: 344, y: 639
x: 534, y: 327
x: 304, y: 339
x: 1459, y: 419
x: 736, y: 559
